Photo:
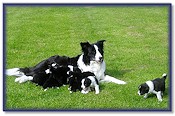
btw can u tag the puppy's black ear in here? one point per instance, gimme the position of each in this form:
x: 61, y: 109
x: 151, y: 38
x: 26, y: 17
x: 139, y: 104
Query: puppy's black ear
x: 146, y: 88
x: 88, y: 82
x: 84, y: 46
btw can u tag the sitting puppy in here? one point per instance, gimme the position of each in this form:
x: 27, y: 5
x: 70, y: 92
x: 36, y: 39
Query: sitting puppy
x: 75, y: 79
x: 89, y: 83
x: 156, y: 86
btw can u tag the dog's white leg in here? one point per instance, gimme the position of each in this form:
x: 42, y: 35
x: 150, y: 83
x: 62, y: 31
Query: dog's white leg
x: 108, y: 78
x: 159, y: 97
x: 146, y: 95
x: 97, y: 91
x: 14, y: 72
x: 17, y: 79
x: 23, y: 79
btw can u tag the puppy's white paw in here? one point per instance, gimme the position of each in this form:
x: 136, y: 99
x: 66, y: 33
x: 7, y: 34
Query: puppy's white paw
x: 45, y: 89
x: 70, y: 92
x: 160, y: 100
x: 84, y: 92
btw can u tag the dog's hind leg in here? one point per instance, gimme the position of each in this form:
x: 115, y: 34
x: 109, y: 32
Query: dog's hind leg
x: 108, y: 78
x: 23, y: 79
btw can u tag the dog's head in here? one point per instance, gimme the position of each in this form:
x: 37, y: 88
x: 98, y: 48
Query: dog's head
x: 143, y: 88
x: 92, y: 52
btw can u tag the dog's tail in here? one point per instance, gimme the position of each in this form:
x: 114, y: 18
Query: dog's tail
x: 17, y: 72
x: 14, y: 72
x: 108, y: 78
x: 164, y: 76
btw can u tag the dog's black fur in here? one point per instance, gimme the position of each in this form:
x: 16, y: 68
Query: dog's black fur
x: 55, y: 78
x: 40, y: 78
x: 58, y: 76
x: 45, y: 64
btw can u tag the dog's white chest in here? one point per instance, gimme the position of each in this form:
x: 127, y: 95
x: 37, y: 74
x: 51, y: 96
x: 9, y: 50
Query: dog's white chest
x: 95, y: 67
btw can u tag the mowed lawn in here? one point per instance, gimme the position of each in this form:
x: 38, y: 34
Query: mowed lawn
x: 136, y: 50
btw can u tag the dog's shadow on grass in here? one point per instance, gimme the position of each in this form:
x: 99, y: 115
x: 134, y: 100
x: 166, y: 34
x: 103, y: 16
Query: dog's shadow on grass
x: 118, y: 73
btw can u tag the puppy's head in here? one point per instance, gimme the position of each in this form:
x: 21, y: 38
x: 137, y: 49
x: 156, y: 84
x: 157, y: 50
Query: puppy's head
x: 85, y: 83
x: 143, y: 88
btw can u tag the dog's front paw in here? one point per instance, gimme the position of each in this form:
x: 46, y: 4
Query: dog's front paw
x: 84, y: 92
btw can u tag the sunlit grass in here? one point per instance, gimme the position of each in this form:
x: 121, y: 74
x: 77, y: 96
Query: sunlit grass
x: 136, y: 50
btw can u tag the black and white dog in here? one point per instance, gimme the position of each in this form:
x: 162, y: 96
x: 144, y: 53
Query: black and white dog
x: 91, y: 60
x: 156, y: 86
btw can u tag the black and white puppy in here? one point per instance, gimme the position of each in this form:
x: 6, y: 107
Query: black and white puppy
x: 156, y: 86
x: 89, y: 83
x: 75, y: 79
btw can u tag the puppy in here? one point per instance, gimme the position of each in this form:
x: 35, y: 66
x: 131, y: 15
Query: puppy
x: 75, y: 79
x: 89, y: 83
x: 156, y: 86
x: 58, y: 76
x: 40, y: 78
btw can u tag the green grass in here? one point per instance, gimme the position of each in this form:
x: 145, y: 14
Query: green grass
x: 136, y: 50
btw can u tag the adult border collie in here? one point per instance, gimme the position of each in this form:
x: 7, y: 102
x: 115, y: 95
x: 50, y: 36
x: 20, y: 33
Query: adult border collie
x: 91, y: 60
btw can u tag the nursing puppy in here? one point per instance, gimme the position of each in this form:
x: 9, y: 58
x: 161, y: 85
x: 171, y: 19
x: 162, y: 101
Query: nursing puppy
x: 40, y: 78
x: 156, y: 86
x: 89, y: 83
x: 58, y: 76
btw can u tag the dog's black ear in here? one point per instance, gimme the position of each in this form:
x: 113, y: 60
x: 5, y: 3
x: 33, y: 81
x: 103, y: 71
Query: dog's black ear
x: 100, y: 43
x: 84, y: 46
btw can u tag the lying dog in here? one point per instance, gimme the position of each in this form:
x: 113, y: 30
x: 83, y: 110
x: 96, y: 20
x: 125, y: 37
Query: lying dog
x: 90, y: 60
x: 156, y: 86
